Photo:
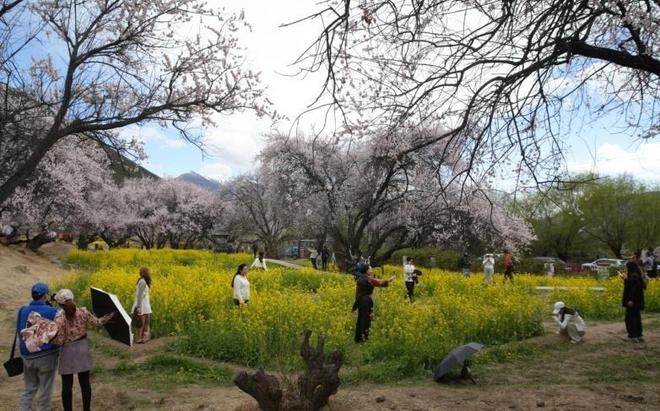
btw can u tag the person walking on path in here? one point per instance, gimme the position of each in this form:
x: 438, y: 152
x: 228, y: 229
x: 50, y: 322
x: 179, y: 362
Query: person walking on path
x: 489, y: 268
x: 260, y: 262
x: 142, y: 303
x: 569, y: 321
x: 409, y: 278
x: 364, y: 302
x: 633, y: 300
x: 75, y: 356
x: 464, y: 265
x: 39, y: 367
x: 241, y: 286
x: 507, y: 261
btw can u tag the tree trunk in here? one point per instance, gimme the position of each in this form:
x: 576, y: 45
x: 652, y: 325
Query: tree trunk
x: 313, y: 389
x: 41, y: 239
x: 84, y: 241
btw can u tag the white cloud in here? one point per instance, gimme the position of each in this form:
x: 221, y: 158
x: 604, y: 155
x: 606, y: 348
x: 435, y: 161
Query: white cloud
x: 642, y: 161
x: 148, y: 134
x: 217, y: 171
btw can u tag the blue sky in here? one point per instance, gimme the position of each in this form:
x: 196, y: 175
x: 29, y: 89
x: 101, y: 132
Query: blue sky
x: 597, y: 147
x: 233, y: 144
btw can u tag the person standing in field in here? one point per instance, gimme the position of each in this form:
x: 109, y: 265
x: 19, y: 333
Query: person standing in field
x: 75, y: 356
x: 241, y: 286
x: 464, y: 265
x: 325, y: 258
x: 507, y: 261
x: 142, y: 304
x: 634, y: 284
x: 39, y: 367
x: 409, y: 278
x: 364, y: 302
x: 312, y: 257
x: 255, y: 249
x: 648, y: 259
x: 489, y: 268
x: 260, y: 262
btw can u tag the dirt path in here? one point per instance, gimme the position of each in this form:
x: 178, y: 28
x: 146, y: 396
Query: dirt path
x: 543, y: 373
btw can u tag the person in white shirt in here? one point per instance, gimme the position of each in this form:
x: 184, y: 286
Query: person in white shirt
x: 312, y: 256
x: 142, y: 304
x: 260, y: 262
x: 569, y: 321
x: 489, y: 268
x: 409, y: 277
x: 549, y: 269
x: 241, y: 286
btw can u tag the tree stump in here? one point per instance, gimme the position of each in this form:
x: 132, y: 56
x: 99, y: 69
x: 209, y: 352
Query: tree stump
x: 314, y: 386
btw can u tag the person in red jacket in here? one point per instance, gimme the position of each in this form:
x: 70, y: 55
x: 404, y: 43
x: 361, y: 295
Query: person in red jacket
x: 364, y: 303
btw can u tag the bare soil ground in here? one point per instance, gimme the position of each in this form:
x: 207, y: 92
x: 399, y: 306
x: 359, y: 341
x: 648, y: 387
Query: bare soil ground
x: 602, y: 373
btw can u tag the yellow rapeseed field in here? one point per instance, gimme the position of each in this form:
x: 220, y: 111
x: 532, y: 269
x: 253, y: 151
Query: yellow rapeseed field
x: 191, y: 297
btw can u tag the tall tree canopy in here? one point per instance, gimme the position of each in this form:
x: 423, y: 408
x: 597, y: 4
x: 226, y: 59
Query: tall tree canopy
x: 88, y: 68
x: 516, y: 76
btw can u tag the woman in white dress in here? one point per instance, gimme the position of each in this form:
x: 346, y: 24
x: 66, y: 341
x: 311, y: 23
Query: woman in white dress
x: 241, y: 286
x: 143, y: 305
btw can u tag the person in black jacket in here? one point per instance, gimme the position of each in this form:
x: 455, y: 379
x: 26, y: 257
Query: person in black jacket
x: 364, y: 303
x: 633, y: 300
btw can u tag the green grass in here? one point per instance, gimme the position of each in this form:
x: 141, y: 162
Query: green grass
x: 163, y: 372
x: 642, y: 366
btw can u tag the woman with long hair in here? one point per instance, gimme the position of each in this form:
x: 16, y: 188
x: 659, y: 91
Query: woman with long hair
x: 75, y: 356
x: 142, y: 304
x: 241, y: 286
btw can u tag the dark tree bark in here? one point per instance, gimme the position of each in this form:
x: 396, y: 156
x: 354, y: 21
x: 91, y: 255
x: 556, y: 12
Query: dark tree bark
x: 314, y: 386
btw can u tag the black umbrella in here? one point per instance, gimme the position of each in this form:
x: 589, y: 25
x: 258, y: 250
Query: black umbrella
x: 119, y: 327
x: 457, y: 356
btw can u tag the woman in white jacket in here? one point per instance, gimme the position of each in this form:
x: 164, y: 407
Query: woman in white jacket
x: 241, y: 286
x: 142, y: 304
x: 489, y: 268
x: 569, y: 321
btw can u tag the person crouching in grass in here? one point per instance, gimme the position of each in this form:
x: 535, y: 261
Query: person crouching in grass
x: 569, y: 321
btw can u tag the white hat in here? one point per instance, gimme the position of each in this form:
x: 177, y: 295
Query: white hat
x: 558, y: 306
x: 64, y: 295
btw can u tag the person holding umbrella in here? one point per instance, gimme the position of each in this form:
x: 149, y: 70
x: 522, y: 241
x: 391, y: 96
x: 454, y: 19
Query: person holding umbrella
x: 75, y: 357
x: 364, y: 302
x: 142, y: 304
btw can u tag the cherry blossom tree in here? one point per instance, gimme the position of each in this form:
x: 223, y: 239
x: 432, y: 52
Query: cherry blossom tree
x: 262, y: 208
x: 169, y: 211
x: 515, y: 77
x: 58, y: 195
x: 377, y: 203
x: 89, y: 68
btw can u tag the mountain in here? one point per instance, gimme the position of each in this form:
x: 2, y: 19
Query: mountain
x: 123, y: 168
x: 200, y: 181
